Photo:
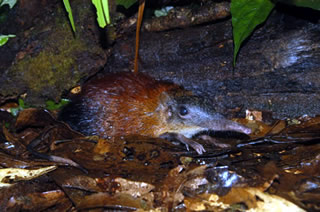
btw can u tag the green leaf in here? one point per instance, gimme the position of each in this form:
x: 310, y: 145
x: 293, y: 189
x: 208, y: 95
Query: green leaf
x: 100, y: 17
x: 68, y: 9
x: 21, y: 104
x: 51, y: 105
x: 11, y: 3
x: 14, y: 111
x: 314, y: 4
x: 4, y: 39
x: 246, y: 15
x: 105, y: 7
x: 126, y: 3
x: 102, y: 7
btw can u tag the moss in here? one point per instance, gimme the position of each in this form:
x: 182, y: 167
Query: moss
x: 53, y: 59
x: 55, y: 64
x: 41, y: 71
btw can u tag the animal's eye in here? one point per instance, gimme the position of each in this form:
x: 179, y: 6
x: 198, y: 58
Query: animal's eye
x: 183, y: 111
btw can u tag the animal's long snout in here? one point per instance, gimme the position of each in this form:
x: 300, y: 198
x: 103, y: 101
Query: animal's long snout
x: 228, y: 125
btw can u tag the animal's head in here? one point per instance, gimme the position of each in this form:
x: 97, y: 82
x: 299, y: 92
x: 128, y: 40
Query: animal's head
x: 187, y: 114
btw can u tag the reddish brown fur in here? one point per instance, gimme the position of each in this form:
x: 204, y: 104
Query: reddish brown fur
x: 131, y: 101
x: 126, y: 103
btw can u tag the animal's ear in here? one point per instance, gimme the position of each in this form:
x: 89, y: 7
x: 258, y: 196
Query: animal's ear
x: 166, y: 103
x: 165, y: 99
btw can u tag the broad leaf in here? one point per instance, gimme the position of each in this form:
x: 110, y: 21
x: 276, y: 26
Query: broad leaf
x: 246, y: 15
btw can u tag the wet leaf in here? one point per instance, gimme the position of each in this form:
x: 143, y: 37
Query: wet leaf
x: 134, y: 188
x: 13, y: 144
x: 242, y: 199
x: 34, y: 117
x: 135, y: 172
x: 10, y: 161
x: 38, y: 201
x: 9, y: 176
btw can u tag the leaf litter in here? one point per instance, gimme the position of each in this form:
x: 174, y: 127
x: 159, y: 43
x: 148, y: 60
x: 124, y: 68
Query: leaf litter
x: 276, y: 168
